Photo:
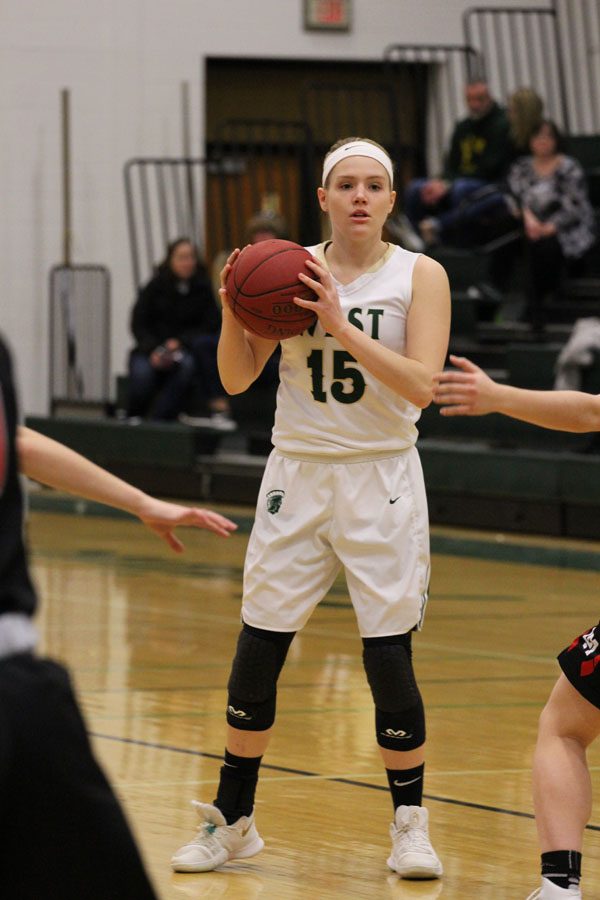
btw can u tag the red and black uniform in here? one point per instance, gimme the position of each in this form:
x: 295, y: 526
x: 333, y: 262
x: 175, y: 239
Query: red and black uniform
x: 580, y: 662
x: 16, y: 590
x: 64, y: 836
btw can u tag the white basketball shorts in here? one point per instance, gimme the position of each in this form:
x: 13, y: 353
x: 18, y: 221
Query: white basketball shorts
x: 314, y: 517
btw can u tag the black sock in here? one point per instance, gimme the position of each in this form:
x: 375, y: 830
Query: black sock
x: 406, y: 786
x: 237, y: 786
x: 562, y: 868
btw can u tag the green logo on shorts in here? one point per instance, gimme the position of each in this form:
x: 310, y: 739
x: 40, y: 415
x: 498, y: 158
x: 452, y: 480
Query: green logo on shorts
x: 274, y: 501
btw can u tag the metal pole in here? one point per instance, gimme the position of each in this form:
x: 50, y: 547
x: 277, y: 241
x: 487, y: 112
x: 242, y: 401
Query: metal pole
x: 191, y: 218
x: 560, y: 63
x: 66, y: 174
x: 186, y: 137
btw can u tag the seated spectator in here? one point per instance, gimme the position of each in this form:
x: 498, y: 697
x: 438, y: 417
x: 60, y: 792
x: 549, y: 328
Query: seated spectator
x: 442, y: 209
x: 558, y: 220
x: 265, y: 226
x: 176, y: 324
x: 262, y: 226
x: 525, y: 111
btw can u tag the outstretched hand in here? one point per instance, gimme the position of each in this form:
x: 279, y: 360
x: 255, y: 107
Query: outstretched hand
x: 327, y: 305
x: 163, y: 518
x: 465, y: 390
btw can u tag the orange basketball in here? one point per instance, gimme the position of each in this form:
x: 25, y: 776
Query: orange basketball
x: 262, y: 285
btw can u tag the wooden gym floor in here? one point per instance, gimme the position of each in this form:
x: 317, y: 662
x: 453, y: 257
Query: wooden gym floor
x: 149, y: 637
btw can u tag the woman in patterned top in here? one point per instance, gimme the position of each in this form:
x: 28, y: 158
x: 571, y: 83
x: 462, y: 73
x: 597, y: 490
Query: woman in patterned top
x: 558, y: 218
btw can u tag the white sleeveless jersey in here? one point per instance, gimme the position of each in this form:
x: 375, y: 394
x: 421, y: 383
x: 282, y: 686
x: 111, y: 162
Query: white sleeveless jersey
x: 328, y: 405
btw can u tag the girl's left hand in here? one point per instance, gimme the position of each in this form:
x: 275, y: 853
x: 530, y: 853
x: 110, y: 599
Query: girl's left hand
x: 327, y: 306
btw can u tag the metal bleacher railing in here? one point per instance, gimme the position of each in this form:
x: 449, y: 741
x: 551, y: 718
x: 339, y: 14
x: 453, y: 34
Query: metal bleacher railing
x: 164, y: 200
x: 79, y: 313
x: 520, y: 46
x: 79, y: 338
x: 578, y: 27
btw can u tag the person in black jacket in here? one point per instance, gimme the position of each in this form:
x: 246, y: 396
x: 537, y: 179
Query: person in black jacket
x: 64, y: 834
x: 480, y: 152
x: 176, y: 324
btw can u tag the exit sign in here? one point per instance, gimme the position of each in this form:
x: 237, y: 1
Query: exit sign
x: 329, y: 15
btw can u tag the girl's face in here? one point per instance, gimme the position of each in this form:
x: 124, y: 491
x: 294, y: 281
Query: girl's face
x: 183, y: 260
x: 543, y: 143
x: 358, y: 198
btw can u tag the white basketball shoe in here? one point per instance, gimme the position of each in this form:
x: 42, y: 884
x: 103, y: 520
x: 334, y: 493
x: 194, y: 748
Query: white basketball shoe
x: 550, y: 891
x: 216, y: 842
x: 412, y: 855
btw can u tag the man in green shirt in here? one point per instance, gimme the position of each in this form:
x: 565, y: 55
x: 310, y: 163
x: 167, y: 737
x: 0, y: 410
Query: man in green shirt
x: 479, y: 154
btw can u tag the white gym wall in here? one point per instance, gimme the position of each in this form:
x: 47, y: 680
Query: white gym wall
x: 124, y: 61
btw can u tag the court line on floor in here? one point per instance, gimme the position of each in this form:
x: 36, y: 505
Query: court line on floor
x: 306, y: 774
x: 196, y: 782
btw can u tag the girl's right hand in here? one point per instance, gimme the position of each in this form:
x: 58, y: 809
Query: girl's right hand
x: 225, y: 298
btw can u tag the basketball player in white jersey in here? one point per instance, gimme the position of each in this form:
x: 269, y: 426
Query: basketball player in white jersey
x: 343, y: 487
x: 562, y: 790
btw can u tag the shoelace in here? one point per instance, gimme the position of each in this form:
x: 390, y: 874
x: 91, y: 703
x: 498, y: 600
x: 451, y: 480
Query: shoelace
x: 206, y: 837
x: 206, y: 831
x: 416, y: 837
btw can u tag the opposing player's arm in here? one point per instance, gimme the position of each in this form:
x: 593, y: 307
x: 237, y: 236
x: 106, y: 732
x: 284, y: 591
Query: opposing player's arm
x: 51, y: 463
x: 468, y: 391
x: 427, y: 332
x: 241, y: 356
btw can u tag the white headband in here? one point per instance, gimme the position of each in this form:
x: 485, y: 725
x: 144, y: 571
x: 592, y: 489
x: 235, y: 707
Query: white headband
x: 357, y: 148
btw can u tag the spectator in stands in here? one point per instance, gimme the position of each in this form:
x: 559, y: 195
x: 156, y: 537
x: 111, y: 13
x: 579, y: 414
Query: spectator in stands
x: 551, y: 197
x: 525, y: 111
x: 265, y: 226
x: 176, y: 324
x: 262, y: 226
x: 479, y: 156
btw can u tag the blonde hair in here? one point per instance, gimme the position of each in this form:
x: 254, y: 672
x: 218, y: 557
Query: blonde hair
x: 352, y: 140
x: 525, y: 110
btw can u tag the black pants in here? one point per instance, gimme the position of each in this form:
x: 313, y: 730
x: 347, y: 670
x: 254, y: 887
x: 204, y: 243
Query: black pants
x: 64, y: 835
x: 546, y: 267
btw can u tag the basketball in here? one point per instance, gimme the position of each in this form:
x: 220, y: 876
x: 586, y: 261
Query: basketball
x: 262, y: 285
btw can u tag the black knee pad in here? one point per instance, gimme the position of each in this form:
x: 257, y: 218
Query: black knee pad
x: 399, y: 714
x: 401, y: 731
x: 253, y: 681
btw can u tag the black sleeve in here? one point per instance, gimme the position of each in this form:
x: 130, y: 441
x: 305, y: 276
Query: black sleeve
x: 8, y: 393
x: 143, y: 319
x: 207, y: 315
x: 211, y: 309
